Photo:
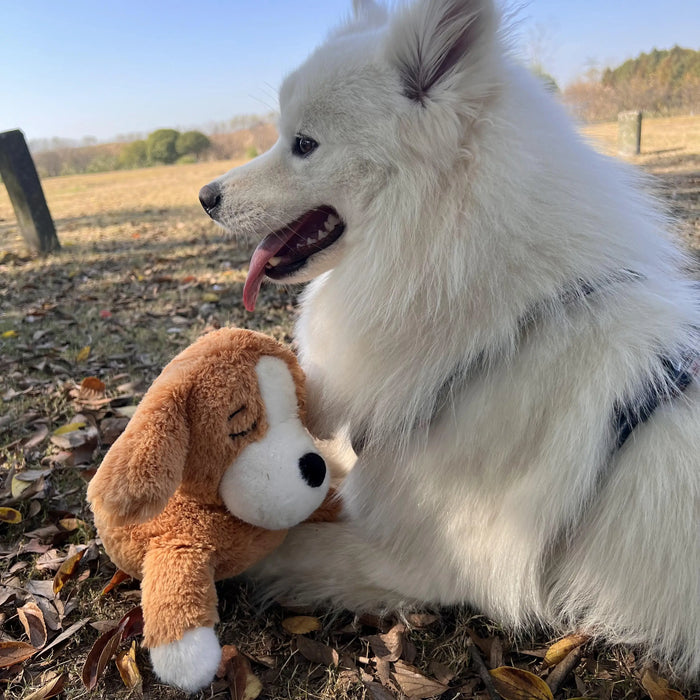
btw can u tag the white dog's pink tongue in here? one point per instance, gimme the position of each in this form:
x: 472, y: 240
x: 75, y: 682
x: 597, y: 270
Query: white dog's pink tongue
x: 266, y: 250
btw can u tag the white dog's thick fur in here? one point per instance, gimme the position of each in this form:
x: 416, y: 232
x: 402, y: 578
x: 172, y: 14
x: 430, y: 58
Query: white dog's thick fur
x: 498, y: 290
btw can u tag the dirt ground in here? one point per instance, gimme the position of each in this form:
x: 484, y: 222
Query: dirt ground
x: 141, y: 274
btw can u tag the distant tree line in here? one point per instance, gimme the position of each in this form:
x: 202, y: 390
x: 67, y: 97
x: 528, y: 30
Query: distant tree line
x: 659, y: 83
x: 163, y: 146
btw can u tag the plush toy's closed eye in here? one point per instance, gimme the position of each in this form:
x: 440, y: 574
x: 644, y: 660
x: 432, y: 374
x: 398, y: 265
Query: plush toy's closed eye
x: 280, y: 479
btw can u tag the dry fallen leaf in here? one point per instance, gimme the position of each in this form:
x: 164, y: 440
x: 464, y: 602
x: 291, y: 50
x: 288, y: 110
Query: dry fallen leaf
x: 442, y: 672
x: 66, y: 634
x: 657, y: 687
x: 421, y: 620
x: 235, y: 668
x: 301, y: 624
x: 389, y: 646
x: 93, y: 387
x: 27, y: 483
x: 68, y: 570
x: 107, y: 644
x: 414, y: 684
x: 128, y: 669
x: 12, y: 653
x: 83, y: 354
x: 69, y: 428
x: 10, y: 515
x: 49, y: 690
x: 561, y: 649
x: 119, y: 577
x: 32, y: 620
x: 516, y: 684
x: 377, y: 692
x: 317, y: 652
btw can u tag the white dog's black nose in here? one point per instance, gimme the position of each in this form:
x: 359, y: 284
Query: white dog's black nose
x: 313, y: 469
x: 210, y: 197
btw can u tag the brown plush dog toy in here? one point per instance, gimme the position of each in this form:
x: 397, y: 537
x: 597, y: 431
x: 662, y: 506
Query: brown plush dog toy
x: 210, y: 472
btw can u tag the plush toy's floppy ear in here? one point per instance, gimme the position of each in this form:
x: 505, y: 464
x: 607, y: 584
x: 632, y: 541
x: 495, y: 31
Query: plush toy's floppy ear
x: 143, y: 468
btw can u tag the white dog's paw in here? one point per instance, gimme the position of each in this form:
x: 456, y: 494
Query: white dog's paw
x: 189, y: 663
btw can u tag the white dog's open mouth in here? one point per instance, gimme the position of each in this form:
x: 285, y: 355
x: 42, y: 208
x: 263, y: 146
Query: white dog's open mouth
x: 282, y: 253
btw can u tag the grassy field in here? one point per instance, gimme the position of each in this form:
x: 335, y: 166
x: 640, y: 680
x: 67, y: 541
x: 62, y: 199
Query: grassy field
x: 141, y: 274
x: 665, y: 141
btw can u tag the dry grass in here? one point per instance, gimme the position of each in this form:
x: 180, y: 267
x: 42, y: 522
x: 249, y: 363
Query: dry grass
x: 665, y: 141
x: 137, y: 245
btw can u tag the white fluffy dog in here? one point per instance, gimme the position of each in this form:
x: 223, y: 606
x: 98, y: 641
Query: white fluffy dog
x: 499, y: 322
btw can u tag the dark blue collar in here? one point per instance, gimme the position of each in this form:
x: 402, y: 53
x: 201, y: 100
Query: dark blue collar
x: 675, y: 379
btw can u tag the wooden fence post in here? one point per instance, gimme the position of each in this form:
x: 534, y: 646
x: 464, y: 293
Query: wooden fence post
x: 22, y: 181
x: 629, y: 133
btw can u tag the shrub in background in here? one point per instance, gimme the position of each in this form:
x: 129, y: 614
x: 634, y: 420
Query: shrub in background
x: 133, y: 155
x: 161, y: 146
x: 192, y: 143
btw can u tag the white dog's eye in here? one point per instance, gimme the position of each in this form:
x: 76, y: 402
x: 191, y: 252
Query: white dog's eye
x: 303, y: 145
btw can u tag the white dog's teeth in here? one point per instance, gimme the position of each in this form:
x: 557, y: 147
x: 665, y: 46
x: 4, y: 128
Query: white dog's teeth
x: 310, y: 241
x: 273, y: 262
x: 331, y: 223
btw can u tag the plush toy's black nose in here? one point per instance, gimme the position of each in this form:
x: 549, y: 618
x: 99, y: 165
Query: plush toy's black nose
x: 313, y: 469
x: 210, y: 197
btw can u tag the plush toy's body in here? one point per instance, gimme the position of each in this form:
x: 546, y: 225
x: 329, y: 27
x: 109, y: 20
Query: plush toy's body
x: 213, y: 467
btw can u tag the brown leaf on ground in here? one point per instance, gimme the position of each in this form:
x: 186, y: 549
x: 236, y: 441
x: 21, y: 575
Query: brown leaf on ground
x: 301, y: 624
x: 12, y: 653
x: 377, y: 692
x: 28, y: 483
x: 421, y: 620
x: 66, y: 634
x: 43, y: 589
x: 414, y: 684
x: 317, y: 652
x: 50, y: 689
x: 107, y: 644
x: 119, y: 577
x: 112, y: 428
x: 10, y: 515
x: 40, y: 434
x: 389, y: 646
x: 51, y: 615
x: 92, y: 387
x: 127, y: 667
x: 517, y: 684
x: 559, y: 650
x: 50, y: 560
x: 235, y: 668
x: 69, y: 569
x: 486, y: 647
x: 442, y: 672
x: 383, y: 672
x: 657, y: 687
x: 78, y: 437
x: 32, y: 619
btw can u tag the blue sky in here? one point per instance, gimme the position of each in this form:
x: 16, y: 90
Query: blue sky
x: 77, y: 68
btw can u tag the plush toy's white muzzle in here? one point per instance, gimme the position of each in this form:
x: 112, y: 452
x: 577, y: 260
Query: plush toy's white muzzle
x: 281, y: 479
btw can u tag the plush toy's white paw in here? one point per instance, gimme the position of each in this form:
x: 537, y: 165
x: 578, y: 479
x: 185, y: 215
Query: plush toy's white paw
x: 191, y: 662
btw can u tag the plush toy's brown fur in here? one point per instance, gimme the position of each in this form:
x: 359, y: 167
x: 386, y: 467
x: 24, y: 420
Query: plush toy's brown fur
x: 155, y: 497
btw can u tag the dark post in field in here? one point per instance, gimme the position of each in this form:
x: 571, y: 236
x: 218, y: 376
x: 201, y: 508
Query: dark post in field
x: 22, y: 182
x: 629, y: 133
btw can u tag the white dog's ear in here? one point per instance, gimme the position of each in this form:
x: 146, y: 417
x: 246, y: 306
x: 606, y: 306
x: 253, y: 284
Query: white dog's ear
x: 368, y: 10
x: 432, y: 41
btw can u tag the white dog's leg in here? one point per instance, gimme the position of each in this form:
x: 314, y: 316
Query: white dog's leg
x: 331, y: 562
x: 189, y: 663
